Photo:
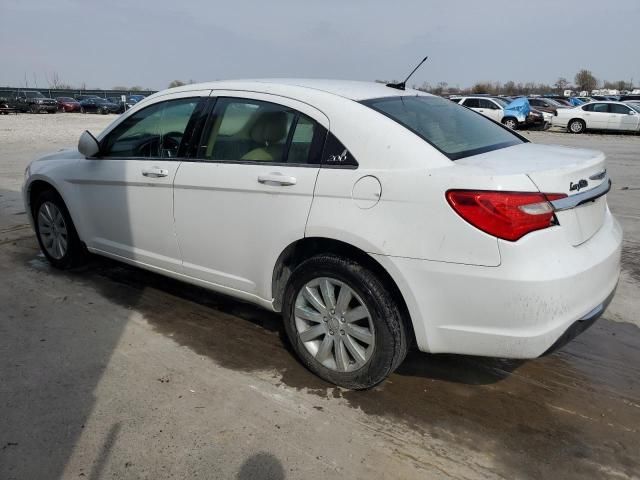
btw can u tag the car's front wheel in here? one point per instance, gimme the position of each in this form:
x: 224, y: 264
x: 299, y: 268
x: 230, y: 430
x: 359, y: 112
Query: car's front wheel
x: 511, y: 123
x: 576, y: 126
x: 56, y: 233
x: 343, y: 322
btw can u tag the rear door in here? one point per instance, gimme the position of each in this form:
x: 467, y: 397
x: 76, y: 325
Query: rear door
x: 596, y: 115
x: 248, y: 193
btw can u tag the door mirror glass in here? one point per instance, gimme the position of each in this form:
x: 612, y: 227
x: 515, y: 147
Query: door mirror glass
x: 88, y: 145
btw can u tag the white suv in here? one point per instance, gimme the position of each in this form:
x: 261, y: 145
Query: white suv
x: 494, y: 108
x: 373, y: 218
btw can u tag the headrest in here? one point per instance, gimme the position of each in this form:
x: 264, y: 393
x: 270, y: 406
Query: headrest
x: 269, y: 127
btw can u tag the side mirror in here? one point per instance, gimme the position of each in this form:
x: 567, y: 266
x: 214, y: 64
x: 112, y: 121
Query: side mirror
x: 632, y: 112
x: 88, y: 145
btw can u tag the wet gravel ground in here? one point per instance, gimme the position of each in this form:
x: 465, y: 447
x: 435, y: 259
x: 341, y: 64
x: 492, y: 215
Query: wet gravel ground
x: 112, y: 372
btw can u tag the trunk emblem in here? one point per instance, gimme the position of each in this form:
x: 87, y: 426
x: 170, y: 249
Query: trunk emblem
x: 582, y: 183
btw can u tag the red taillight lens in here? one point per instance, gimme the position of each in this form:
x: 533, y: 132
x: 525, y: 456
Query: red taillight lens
x: 506, y: 215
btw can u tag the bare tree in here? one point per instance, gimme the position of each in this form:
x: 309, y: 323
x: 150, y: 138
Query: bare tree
x: 585, y: 80
x: 561, y: 84
x: 54, y: 82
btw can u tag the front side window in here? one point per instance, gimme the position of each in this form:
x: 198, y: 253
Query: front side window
x: 454, y: 131
x: 615, y: 108
x: 257, y: 131
x: 488, y: 104
x: 154, y: 132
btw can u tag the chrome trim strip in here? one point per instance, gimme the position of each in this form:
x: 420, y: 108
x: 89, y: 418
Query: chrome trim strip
x: 582, y: 197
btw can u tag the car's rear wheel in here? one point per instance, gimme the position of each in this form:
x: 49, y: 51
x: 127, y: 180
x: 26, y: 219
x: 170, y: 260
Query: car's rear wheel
x: 343, y: 322
x: 55, y: 231
x: 576, y: 126
x: 510, y: 122
x: 82, y: 110
x: 34, y: 109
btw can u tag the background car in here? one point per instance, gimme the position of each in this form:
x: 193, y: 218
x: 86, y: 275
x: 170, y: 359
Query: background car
x: 124, y: 105
x: 495, y: 109
x: 68, y: 104
x: 35, y: 102
x: 98, y: 105
x: 547, y: 105
x: 599, y: 115
x: 79, y: 98
x: 135, y: 98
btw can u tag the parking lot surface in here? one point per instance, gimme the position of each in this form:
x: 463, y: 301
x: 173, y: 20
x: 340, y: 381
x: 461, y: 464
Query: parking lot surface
x: 112, y: 372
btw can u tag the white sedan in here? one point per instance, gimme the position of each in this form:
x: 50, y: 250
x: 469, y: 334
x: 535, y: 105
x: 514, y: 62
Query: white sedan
x: 599, y: 115
x: 373, y: 218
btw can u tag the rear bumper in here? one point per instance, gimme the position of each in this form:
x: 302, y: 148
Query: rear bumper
x: 518, y: 309
x: 581, y: 325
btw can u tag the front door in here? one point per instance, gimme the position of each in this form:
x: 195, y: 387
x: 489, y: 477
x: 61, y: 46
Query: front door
x: 128, y: 191
x: 249, y: 195
x: 622, y: 117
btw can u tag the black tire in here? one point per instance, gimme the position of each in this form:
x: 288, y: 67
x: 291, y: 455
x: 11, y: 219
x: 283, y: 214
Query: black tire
x: 82, y: 110
x: 104, y: 111
x: 34, y: 109
x: 576, y: 126
x: 391, y: 334
x: 75, y: 254
x: 510, y: 122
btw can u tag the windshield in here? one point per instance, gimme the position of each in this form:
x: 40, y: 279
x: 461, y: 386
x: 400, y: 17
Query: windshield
x: 65, y: 99
x: 555, y: 102
x: 635, y: 106
x: 501, y: 101
x: 101, y: 100
x: 456, y: 131
x: 33, y: 95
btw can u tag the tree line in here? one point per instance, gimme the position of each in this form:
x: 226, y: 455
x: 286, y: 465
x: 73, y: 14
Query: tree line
x: 584, y: 80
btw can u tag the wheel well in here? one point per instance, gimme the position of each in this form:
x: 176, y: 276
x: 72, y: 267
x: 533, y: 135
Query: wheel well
x: 578, y: 119
x: 299, y: 251
x: 36, y: 188
x: 509, y: 117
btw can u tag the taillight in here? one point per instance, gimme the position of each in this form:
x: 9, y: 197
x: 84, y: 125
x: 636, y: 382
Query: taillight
x: 506, y: 215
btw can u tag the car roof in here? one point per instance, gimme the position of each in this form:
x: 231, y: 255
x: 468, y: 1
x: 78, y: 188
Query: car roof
x: 351, y: 89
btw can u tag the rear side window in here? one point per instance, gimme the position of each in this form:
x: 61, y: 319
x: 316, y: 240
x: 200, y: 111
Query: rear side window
x: 244, y: 130
x: 455, y: 131
x: 336, y: 154
x: 471, y: 103
x: 596, y: 107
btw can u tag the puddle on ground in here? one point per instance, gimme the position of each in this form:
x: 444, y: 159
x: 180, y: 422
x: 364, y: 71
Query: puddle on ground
x: 569, y: 415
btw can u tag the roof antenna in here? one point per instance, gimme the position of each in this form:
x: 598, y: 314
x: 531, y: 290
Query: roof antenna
x: 402, y: 85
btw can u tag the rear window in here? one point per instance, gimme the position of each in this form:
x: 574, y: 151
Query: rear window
x: 455, y: 131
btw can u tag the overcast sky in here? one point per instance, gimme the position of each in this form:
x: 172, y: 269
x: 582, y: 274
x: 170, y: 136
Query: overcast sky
x: 108, y: 43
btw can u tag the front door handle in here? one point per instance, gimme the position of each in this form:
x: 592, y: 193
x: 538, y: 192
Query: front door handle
x: 155, y: 172
x: 277, y: 178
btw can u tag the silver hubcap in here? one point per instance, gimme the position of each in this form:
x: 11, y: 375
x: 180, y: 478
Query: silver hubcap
x: 576, y: 127
x: 53, y: 230
x: 334, y: 324
x: 511, y: 124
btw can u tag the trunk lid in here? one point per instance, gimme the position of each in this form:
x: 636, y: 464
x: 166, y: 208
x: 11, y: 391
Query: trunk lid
x: 555, y: 169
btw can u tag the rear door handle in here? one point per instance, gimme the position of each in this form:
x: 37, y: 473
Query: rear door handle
x: 155, y: 172
x: 277, y: 178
